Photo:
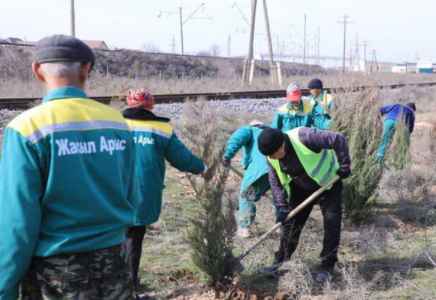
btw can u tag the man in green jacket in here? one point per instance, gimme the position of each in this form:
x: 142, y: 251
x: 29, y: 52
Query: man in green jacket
x: 155, y: 142
x: 299, y: 111
x: 324, y: 99
x: 67, y: 187
x: 255, y: 182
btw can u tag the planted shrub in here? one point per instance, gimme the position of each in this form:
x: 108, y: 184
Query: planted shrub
x: 211, y: 233
x: 399, y: 153
x: 357, y: 119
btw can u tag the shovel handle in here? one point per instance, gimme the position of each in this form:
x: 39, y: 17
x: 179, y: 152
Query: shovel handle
x: 290, y: 215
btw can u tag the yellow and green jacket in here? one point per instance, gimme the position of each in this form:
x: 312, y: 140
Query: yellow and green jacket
x: 326, y: 101
x: 309, y: 162
x: 308, y: 114
x: 66, y: 182
x: 156, y: 142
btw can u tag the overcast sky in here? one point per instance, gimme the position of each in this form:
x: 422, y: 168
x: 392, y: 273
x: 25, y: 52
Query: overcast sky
x: 398, y: 30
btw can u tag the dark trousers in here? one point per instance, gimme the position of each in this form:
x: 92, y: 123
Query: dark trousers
x: 134, y: 239
x: 330, y: 203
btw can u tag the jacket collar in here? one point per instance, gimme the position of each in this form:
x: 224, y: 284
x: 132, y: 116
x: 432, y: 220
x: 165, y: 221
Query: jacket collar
x: 64, y: 93
x: 142, y: 114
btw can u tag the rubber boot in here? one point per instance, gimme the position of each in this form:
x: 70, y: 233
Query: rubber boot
x: 325, y: 273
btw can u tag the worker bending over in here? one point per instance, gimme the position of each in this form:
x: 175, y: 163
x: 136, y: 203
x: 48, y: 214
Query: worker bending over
x: 255, y: 182
x: 300, y: 161
x: 392, y: 113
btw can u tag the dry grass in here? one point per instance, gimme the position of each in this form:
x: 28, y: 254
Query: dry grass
x: 102, y: 85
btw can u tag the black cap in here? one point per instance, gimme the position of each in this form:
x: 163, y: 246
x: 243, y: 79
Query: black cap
x: 315, y: 83
x: 270, y: 140
x: 411, y: 105
x: 57, y: 48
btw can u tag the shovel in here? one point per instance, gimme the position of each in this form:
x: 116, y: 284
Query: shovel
x: 238, y: 266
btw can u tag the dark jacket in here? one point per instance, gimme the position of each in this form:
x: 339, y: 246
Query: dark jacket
x: 316, y: 140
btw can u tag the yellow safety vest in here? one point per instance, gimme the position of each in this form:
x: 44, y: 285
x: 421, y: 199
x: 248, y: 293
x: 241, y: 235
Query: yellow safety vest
x: 321, y: 167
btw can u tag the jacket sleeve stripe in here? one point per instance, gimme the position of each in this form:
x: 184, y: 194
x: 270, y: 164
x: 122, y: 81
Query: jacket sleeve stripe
x: 92, y: 125
x: 151, y: 130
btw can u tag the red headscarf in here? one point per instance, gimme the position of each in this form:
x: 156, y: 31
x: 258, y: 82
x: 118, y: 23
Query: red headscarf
x: 140, y: 98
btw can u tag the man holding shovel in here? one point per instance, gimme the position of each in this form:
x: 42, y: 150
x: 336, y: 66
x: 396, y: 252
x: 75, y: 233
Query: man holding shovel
x: 300, y: 161
x: 255, y: 181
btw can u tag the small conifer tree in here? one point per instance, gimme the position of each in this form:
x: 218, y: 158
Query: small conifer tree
x: 399, y: 151
x: 211, y: 232
x: 357, y: 118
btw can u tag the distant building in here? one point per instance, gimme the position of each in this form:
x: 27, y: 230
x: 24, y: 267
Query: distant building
x: 426, y: 67
x: 404, y: 68
x: 95, y: 44
x: 16, y: 41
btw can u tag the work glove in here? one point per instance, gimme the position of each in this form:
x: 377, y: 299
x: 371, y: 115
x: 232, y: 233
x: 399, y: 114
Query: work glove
x: 204, y: 173
x: 226, y: 161
x: 343, y: 173
x: 283, y: 213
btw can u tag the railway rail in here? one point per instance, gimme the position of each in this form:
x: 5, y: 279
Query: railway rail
x: 24, y: 103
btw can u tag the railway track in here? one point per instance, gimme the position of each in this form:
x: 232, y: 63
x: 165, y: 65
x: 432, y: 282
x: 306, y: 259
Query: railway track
x: 24, y: 103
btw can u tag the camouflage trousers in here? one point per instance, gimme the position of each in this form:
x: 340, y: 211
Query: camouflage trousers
x: 102, y: 274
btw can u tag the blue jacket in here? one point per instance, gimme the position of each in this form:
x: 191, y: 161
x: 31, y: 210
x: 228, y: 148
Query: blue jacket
x: 156, y: 142
x: 393, y: 111
x: 308, y: 114
x: 66, y: 182
x: 253, y: 162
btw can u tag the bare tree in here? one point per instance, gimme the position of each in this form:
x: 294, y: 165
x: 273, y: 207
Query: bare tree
x: 151, y: 48
x: 215, y: 50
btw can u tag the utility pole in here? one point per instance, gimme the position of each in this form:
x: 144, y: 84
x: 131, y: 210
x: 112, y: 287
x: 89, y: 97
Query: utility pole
x: 272, y: 71
x: 345, y: 22
x: 180, y: 12
x: 73, y: 22
x: 304, y: 45
x: 318, y: 48
x: 181, y: 31
x: 365, y: 69
x: 229, y: 43
x: 247, y: 63
x: 373, y: 61
x: 173, y: 45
